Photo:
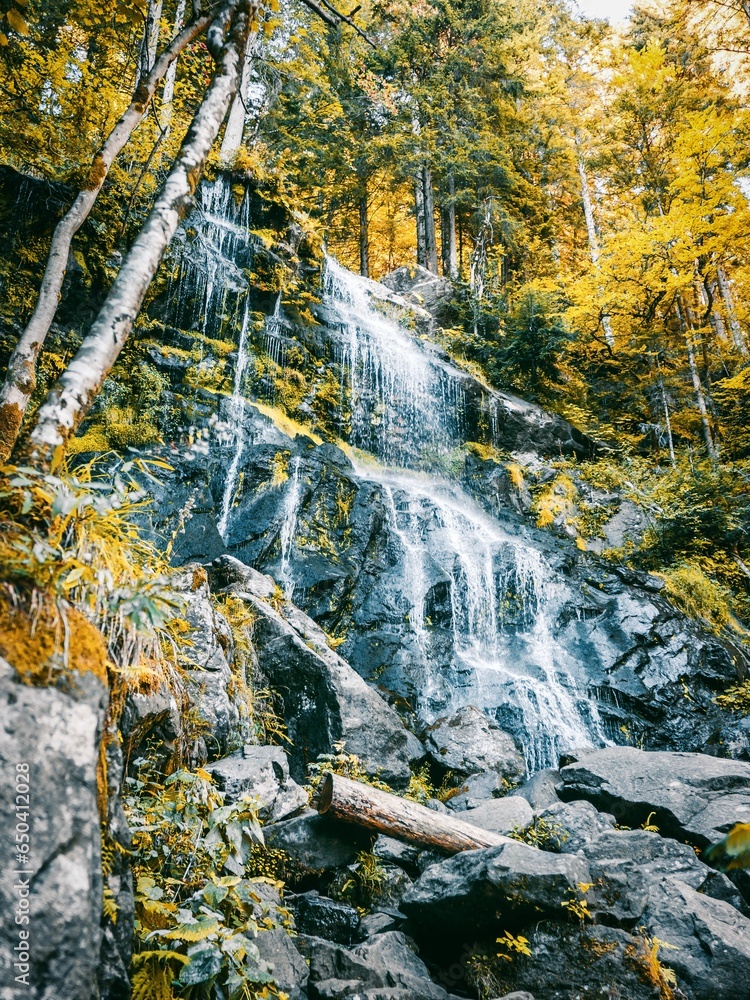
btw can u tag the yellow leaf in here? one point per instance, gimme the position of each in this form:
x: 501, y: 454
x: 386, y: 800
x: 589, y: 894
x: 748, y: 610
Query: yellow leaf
x: 17, y: 22
x: 3, y: 39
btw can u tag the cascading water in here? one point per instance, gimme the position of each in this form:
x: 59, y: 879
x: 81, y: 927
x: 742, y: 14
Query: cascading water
x: 503, y: 602
x: 236, y: 414
x: 407, y: 404
x: 476, y: 600
x: 290, y: 511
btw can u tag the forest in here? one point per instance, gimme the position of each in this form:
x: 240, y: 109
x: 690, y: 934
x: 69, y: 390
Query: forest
x: 374, y: 439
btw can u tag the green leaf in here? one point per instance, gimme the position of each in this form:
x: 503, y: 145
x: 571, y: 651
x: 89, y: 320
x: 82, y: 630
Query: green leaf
x: 204, y: 965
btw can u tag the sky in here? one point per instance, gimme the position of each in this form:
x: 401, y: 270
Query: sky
x: 614, y: 10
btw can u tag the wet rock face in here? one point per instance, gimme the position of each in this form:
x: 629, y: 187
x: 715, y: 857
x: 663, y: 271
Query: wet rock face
x: 441, y: 606
x: 56, y: 733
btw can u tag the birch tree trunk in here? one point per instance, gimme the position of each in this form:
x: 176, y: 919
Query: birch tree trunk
x: 734, y: 324
x: 77, y: 387
x: 150, y: 41
x: 667, y: 417
x: 20, y: 378
x: 167, y: 94
x: 594, y: 251
x: 687, y: 333
x: 235, y: 128
x: 430, y: 241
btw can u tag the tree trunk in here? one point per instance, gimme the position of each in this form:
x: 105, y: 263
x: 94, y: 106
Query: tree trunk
x: 167, y: 94
x: 734, y: 324
x: 235, y: 129
x: 382, y: 812
x: 419, y: 212
x: 364, y: 236
x: 682, y: 316
x: 594, y: 251
x: 665, y: 404
x: 430, y: 241
x: 20, y: 379
x: 450, y: 253
x: 75, y: 390
x: 150, y: 42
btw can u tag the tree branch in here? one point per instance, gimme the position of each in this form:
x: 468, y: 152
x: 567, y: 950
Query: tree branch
x: 335, y: 18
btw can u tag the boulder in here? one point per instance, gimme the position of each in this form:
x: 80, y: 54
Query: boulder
x: 476, y: 789
x: 263, y: 773
x: 325, y: 701
x: 49, y: 743
x: 540, y: 791
x: 427, y: 290
x: 468, y: 743
x: 208, y: 674
x: 511, y: 814
x: 385, y: 967
x: 285, y: 963
x: 478, y: 886
x: 397, y: 853
x: 688, y: 795
x: 321, y: 917
x: 630, y: 863
x: 570, y: 826
x: 316, y: 842
x: 708, y: 941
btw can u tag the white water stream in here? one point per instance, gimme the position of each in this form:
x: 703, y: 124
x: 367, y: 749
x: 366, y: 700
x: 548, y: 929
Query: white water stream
x: 497, y: 598
x: 504, y: 601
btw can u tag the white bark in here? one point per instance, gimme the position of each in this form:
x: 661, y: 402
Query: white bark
x: 151, y: 36
x: 594, y: 251
x: 235, y: 128
x: 420, y: 216
x: 167, y: 94
x: 20, y: 379
x: 667, y: 417
x: 75, y: 390
x: 734, y: 324
x: 712, y: 449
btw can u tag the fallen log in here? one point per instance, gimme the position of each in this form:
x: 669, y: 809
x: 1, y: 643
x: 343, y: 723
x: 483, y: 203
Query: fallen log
x: 373, y: 809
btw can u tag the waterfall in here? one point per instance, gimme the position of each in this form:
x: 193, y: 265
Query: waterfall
x: 290, y: 511
x: 407, y: 403
x: 504, y: 601
x: 209, y: 292
x: 236, y: 415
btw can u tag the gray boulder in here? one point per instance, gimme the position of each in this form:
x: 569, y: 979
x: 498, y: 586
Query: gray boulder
x: 477, y: 789
x: 208, y: 674
x: 475, y: 887
x: 709, y: 941
x: 56, y: 733
x: 468, y: 743
x: 501, y: 815
x: 285, y: 963
x: 324, y: 699
x: 692, y: 796
x: 316, y: 842
x: 540, y: 791
x: 321, y: 917
x: 570, y: 826
x: 262, y: 772
x: 384, y: 967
